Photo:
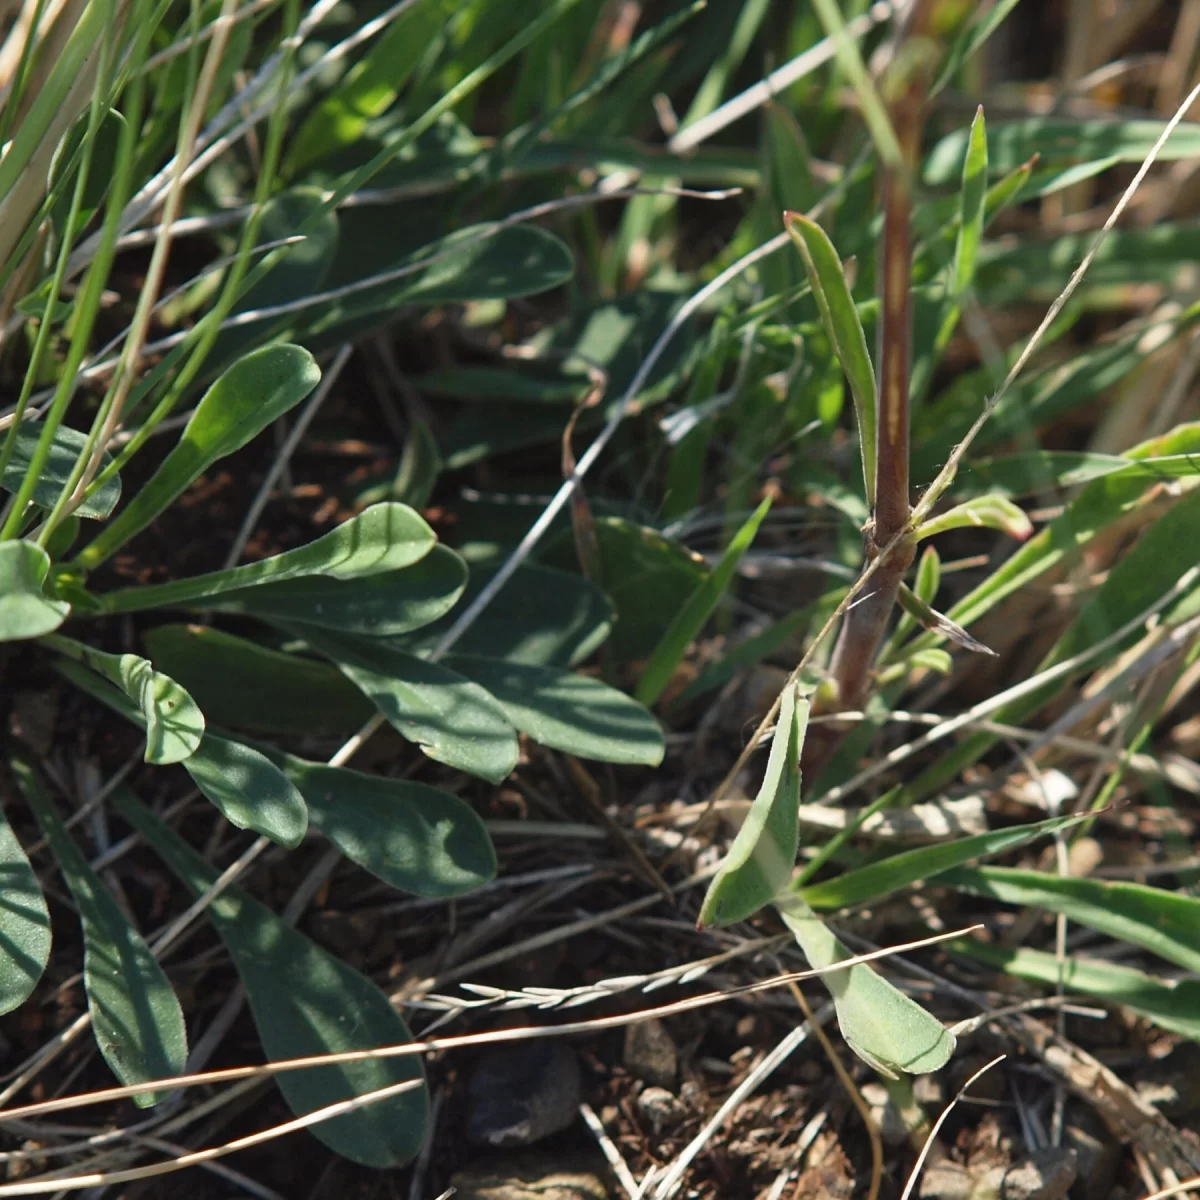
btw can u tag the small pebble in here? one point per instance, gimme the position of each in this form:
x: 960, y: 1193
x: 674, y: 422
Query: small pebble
x: 659, y: 1107
x: 650, y: 1053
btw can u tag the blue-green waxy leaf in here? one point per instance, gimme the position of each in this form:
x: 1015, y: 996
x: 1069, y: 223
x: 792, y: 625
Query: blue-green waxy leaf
x: 64, y: 453
x: 386, y: 537
x: 885, y: 1028
x: 688, y: 623
x: 24, y: 923
x: 839, y: 315
x: 760, y: 862
x: 25, y: 609
x: 452, y: 719
x: 135, y: 1014
x: 248, y: 789
x: 306, y: 1002
x: 248, y: 397
x: 412, y: 836
x: 396, y: 602
x: 174, y: 723
x: 242, y: 685
x: 568, y: 712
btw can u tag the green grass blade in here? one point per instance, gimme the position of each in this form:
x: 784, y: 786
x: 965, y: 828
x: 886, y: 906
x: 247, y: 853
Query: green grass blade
x: 840, y: 318
x: 1172, y: 1004
x: 1165, y: 923
x: 135, y: 1014
x: 889, y: 875
x: 669, y: 652
x: 972, y: 206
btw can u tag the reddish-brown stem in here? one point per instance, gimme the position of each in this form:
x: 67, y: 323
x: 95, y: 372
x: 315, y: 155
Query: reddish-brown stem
x: 865, y: 623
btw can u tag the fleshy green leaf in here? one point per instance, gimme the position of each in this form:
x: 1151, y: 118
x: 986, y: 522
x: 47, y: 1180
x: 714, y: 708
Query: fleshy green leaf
x: 387, y: 537
x: 760, y: 862
x: 248, y: 789
x: 64, y: 453
x: 1165, y: 923
x: 247, y: 398
x: 174, y: 723
x: 991, y: 512
x: 24, y: 923
x: 243, y: 685
x: 889, y: 875
x: 673, y: 645
x: 452, y: 719
x: 306, y: 1002
x: 25, y: 609
x: 393, y: 603
x: 135, y: 1014
x: 568, y: 712
x: 840, y: 318
x: 884, y: 1027
x: 412, y: 836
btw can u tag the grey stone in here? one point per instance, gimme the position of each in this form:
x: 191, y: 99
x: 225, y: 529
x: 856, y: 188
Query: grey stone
x: 531, y: 1177
x: 520, y: 1093
x: 650, y: 1053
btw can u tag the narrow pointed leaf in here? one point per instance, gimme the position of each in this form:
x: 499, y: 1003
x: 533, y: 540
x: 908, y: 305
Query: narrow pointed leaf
x: 247, y: 398
x: 412, y: 836
x: 174, y: 723
x: 452, y: 719
x: 840, y: 317
x: 248, y: 789
x: 136, y: 1016
x: 24, y: 923
x: 930, y: 619
x: 885, y: 1028
x: 65, y: 449
x: 1172, y: 1004
x: 760, y: 862
x: 992, y: 512
x: 387, y: 537
x: 882, y: 878
x: 25, y: 609
x: 1165, y: 923
x: 686, y: 627
x: 972, y: 206
x: 306, y: 1002
x: 568, y: 712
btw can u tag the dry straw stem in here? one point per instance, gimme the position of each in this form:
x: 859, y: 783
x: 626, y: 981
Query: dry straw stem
x: 946, y: 476
x: 429, y: 1045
